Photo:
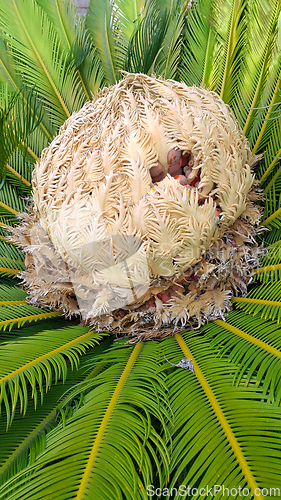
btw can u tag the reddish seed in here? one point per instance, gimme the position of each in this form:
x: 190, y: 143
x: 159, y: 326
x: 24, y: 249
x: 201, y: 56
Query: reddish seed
x: 184, y: 161
x: 158, y: 178
x: 182, y: 179
x: 165, y: 297
x: 174, y: 167
x: 173, y: 156
x: 178, y: 172
x: 155, y: 171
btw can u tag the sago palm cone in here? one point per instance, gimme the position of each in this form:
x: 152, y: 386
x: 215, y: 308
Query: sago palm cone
x: 143, y: 216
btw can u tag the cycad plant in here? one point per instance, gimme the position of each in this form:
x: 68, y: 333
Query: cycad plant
x: 86, y: 415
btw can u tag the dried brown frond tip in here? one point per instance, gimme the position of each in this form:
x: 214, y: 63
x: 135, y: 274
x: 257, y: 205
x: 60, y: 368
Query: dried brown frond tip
x: 143, y: 218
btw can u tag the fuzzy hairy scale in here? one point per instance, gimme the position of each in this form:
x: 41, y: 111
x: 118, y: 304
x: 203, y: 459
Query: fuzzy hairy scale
x: 97, y: 205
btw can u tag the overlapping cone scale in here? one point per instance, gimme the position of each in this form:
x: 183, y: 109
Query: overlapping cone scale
x: 143, y: 216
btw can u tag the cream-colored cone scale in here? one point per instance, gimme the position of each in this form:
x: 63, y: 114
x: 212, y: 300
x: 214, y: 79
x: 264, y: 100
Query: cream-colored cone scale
x: 143, y: 215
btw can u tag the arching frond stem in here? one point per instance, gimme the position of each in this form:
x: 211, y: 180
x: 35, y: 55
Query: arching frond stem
x: 256, y: 301
x: 221, y: 417
x: 14, y: 172
x: 33, y: 317
x: 267, y: 269
x: 30, y: 151
x: 271, y: 217
x: 10, y: 271
x: 9, y: 209
x: 48, y: 354
x: 276, y: 244
x: 250, y: 338
x: 113, y: 401
x: 11, y: 302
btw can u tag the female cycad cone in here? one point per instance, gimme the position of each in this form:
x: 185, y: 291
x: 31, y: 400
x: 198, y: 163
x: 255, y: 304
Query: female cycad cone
x: 143, y: 218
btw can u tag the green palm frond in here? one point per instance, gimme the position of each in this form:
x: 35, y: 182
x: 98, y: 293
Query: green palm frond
x: 57, y: 85
x: 129, y: 14
x: 262, y: 21
x: 76, y: 43
x: 265, y: 301
x: 26, y: 437
x: 14, y: 293
x: 17, y: 180
x: 99, y: 23
x: 39, y: 362
x: 10, y: 257
x: 115, y: 421
x: 146, y: 43
x: 123, y: 418
x: 169, y: 58
x: 254, y: 347
x: 18, y: 119
x: 17, y: 315
x: 272, y: 210
x: 64, y: 18
x: 231, y: 22
x: 272, y: 237
x: 269, y: 106
x: 11, y: 262
x: 11, y: 203
x: 270, y: 269
x: 221, y: 431
x: 10, y: 81
x: 197, y: 51
x: 268, y: 273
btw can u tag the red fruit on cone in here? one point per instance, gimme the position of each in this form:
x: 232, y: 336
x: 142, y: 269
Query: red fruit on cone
x: 182, y: 179
x: 165, y: 297
x: 174, y: 167
x: 173, y: 156
x: 155, y: 171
